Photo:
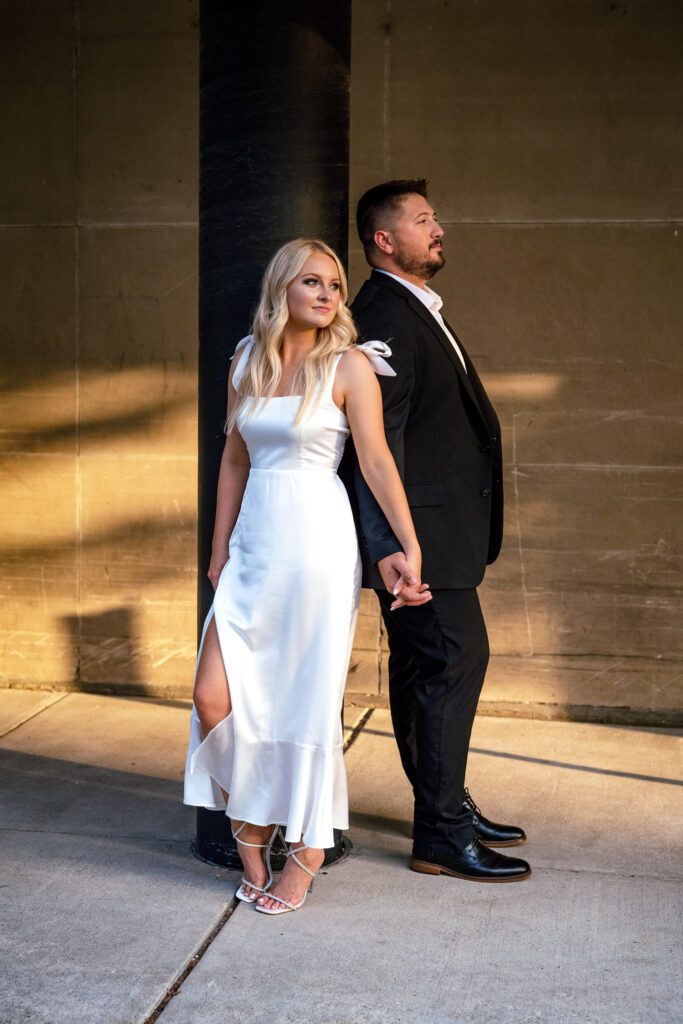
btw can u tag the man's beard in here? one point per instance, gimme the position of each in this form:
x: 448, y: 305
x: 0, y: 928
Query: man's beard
x: 419, y: 266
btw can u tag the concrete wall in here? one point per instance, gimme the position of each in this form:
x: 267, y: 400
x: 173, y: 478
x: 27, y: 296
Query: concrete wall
x: 549, y: 134
x: 98, y: 250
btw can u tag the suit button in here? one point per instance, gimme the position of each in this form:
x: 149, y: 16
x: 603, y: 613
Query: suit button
x: 484, y: 448
x: 485, y: 492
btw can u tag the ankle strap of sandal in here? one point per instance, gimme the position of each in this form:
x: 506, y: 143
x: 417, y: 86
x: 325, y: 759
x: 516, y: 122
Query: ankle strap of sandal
x: 293, y: 855
x: 256, y: 846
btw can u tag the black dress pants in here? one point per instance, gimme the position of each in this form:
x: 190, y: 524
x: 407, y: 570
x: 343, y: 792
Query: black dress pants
x: 437, y: 662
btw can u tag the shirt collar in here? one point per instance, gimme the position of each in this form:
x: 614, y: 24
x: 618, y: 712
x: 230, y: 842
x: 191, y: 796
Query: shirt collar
x: 427, y: 296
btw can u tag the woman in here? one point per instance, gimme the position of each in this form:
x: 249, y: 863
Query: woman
x: 266, y: 728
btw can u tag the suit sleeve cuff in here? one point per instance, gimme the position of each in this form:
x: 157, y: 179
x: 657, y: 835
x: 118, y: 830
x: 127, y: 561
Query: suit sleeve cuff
x: 379, y: 549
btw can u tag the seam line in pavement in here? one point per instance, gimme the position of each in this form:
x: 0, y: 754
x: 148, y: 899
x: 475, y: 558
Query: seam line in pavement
x: 93, y: 835
x: 185, y: 972
x: 672, y: 879
x: 175, y: 987
x: 59, y: 697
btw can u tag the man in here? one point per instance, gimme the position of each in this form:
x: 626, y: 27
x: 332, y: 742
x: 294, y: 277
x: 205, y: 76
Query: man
x: 445, y: 437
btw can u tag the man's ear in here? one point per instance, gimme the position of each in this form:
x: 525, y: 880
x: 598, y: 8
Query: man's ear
x: 382, y: 240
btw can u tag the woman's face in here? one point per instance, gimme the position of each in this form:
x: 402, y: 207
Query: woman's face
x: 314, y: 295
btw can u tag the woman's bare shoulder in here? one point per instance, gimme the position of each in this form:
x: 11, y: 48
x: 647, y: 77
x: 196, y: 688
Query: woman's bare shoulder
x: 354, y: 364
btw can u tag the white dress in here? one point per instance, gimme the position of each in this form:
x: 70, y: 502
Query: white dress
x: 285, y: 610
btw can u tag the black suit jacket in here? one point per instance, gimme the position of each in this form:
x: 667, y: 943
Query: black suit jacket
x: 445, y: 437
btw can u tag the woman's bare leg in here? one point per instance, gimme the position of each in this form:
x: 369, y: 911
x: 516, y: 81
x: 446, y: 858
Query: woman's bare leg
x: 211, y: 688
x: 213, y: 704
x: 253, y: 859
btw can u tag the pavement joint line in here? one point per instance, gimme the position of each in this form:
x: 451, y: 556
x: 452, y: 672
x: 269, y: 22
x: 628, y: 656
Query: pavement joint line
x: 92, y: 835
x: 671, y: 879
x: 58, y: 698
x: 182, y: 976
x: 542, y: 711
x: 176, y: 985
x: 357, y: 728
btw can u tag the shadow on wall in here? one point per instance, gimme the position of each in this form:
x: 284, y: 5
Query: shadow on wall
x: 105, y: 647
x: 99, y: 529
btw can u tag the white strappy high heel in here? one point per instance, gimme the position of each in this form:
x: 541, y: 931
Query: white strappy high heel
x: 286, y: 905
x: 259, y: 889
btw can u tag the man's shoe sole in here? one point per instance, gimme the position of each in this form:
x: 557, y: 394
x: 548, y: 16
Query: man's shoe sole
x: 426, y: 868
x: 503, y: 842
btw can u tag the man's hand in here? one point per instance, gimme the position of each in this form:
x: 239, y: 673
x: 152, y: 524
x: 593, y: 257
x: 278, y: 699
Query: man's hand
x: 400, y: 580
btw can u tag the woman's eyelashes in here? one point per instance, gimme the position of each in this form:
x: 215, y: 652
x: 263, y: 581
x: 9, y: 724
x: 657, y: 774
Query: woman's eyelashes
x: 314, y: 282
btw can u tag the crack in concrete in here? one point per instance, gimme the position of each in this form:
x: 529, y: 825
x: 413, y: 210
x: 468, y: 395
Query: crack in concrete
x: 176, y: 985
x: 185, y: 972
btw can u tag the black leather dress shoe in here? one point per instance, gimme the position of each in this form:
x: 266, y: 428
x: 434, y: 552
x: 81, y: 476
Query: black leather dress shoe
x: 490, y: 833
x: 476, y: 863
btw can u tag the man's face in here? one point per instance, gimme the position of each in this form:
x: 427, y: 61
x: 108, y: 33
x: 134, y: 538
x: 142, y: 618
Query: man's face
x: 415, y: 238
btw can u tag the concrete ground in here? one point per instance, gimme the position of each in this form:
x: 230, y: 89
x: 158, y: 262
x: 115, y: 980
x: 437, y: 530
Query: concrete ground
x: 104, y: 908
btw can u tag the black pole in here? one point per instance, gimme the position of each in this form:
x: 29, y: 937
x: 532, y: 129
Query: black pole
x: 274, y: 160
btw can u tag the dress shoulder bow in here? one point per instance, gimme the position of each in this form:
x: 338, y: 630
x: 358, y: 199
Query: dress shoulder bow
x: 377, y: 352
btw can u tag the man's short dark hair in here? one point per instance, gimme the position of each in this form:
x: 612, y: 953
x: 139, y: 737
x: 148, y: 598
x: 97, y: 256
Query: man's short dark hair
x: 376, y: 203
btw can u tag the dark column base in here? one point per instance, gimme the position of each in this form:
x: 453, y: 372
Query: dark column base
x: 213, y: 842
x: 274, y: 165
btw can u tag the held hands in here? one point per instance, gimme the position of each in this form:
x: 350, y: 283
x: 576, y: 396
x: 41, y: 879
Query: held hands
x: 219, y: 556
x: 401, y: 577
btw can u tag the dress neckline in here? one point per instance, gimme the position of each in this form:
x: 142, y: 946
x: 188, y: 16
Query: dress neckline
x: 264, y: 398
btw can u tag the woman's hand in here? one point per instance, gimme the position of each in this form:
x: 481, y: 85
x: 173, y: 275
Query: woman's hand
x: 401, y: 576
x: 219, y: 556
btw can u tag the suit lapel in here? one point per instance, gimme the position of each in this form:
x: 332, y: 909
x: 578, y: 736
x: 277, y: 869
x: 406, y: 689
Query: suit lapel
x: 482, y: 399
x: 444, y: 341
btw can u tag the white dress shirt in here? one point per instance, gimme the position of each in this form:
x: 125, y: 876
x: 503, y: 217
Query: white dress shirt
x: 433, y: 302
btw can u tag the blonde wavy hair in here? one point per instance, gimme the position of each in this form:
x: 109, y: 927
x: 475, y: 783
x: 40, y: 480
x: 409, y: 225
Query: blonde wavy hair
x: 263, y: 370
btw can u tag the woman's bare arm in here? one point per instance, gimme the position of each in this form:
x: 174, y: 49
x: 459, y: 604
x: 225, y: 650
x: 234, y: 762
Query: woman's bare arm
x: 357, y: 385
x: 232, y: 479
